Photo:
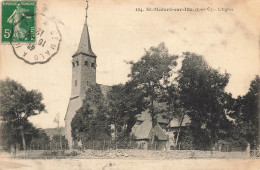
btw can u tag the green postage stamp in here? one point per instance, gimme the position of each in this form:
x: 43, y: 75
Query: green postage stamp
x: 18, y: 22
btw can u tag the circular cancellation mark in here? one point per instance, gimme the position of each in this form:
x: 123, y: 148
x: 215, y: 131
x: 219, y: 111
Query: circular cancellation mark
x: 47, y: 44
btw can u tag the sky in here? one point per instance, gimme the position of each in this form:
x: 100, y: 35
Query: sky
x: 229, y: 41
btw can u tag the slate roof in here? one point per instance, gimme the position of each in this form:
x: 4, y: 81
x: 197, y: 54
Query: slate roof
x: 145, y: 115
x: 74, y: 104
x: 176, y: 122
x: 144, y: 131
x: 85, y: 45
x: 161, y: 118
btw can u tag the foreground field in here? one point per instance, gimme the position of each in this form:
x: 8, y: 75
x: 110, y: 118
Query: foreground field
x: 76, y: 163
x: 129, y: 164
x: 129, y: 154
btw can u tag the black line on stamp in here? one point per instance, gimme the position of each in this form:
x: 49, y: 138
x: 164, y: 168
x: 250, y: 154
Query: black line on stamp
x: 38, y: 62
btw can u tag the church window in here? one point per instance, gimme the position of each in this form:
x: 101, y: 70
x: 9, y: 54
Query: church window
x: 76, y: 83
x: 73, y: 64
x: 77, y: 63
x: 92, y: 64
x: 86, y: 63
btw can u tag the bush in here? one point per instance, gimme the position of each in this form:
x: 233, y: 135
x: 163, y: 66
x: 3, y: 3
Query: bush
x: 186, y: 141
x: 237, y: 145
x: 58, y: 153
x: 53, y: 153
x: 73, y: 153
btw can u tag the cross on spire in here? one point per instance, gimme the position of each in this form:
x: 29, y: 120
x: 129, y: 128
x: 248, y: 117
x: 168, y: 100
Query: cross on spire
x: 87, y: 9
x: 84, y: 44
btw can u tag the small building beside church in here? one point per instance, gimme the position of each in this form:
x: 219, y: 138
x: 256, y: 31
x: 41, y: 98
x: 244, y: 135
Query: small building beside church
x: 165, y: 130
x: 143, y: 135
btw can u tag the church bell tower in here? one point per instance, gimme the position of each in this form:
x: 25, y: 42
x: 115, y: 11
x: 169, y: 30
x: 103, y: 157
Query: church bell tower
x: 83, y: 64
x: 83, y: 75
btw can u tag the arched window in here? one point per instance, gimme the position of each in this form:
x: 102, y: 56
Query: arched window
x: 86, y: 63
x: 77, y: 63
x: 92, y: 64
x: 73, y: 64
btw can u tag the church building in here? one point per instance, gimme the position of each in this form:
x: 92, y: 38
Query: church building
x: 83, y: 76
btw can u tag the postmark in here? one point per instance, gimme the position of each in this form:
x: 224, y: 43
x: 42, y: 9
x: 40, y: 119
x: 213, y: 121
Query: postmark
x: 47, y: 44
x: 18, y: 21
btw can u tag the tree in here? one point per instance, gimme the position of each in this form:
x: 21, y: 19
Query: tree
x: 203, y: 97
x: 59, y: 141
x: 246, y: 113
x: 250, y: 112
x: 150, y: 74
x: 17, y: 104
x: 57, y: 120
x: 11, y: 135
x: 80, y: 124
x: 174, y: 106
x: 40, y: 140
x: 90, y: 121
x: 124, y: 102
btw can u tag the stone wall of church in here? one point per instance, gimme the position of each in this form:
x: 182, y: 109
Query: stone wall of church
x: 73, y: 106
x: 83, y: 75
x: 88, y: 73
x: 76, y: 76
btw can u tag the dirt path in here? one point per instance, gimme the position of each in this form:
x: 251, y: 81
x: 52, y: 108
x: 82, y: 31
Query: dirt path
x: 125, y: 164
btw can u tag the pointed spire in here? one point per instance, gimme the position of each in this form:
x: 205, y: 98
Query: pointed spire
x: 85, y: 45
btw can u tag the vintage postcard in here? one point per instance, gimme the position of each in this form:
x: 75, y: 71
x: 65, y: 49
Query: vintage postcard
x: 111, y: 84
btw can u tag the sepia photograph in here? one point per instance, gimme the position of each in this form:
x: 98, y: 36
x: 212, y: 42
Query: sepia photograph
x: 112, y: 84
